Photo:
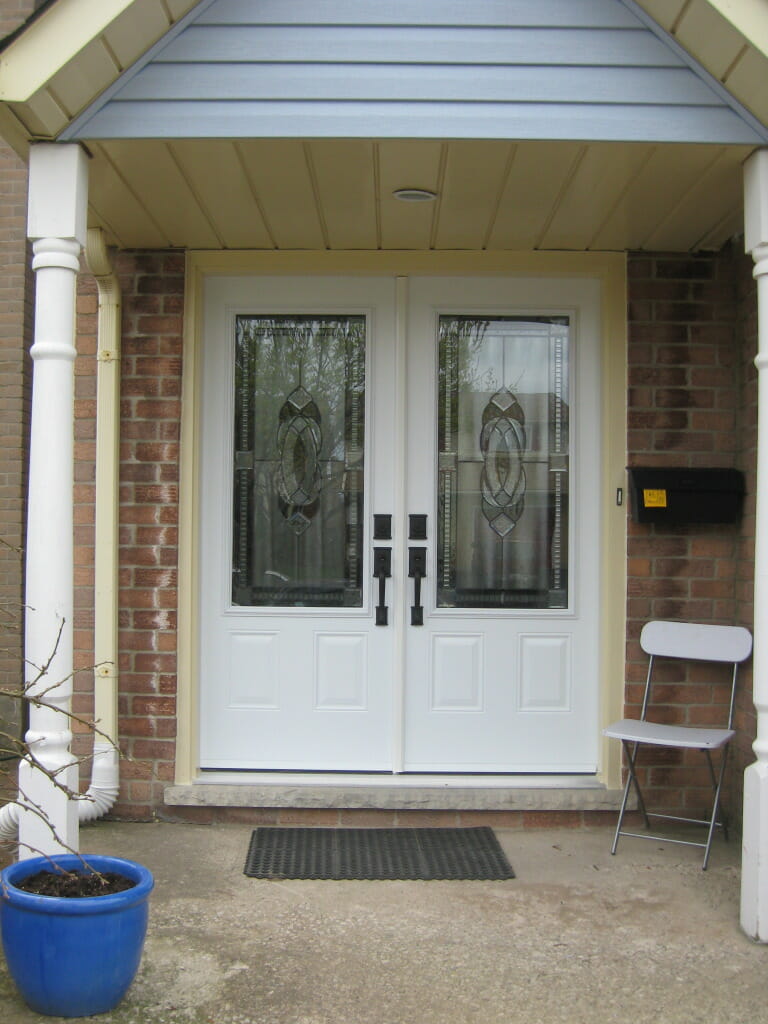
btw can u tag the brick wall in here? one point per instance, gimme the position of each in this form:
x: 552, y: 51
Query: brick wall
x: 15, y: 332
x: 153, y: 291
x: 687, y: 407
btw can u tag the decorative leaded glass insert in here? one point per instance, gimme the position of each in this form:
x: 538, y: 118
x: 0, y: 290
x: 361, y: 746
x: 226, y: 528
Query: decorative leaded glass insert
x: 298, y: 467
x: 503, y: 462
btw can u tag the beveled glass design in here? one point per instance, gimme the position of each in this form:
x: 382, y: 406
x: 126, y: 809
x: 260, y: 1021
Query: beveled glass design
x: 502, y: 481
x: 299, y: 441
x: 503, y: 462
x: 299, y: 435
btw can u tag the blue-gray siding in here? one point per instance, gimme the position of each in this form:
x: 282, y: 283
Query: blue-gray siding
x: 539, y: 69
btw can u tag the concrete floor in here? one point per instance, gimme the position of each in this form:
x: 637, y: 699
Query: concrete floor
x: 578, y: 936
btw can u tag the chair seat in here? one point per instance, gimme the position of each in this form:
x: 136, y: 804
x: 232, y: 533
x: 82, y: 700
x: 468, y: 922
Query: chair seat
x: 635, y: 731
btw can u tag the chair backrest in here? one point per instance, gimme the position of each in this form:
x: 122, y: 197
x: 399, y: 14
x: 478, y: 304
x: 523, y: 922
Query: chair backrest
x: 695, y: 641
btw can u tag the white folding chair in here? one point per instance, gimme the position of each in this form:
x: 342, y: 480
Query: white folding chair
x: 691, y: 642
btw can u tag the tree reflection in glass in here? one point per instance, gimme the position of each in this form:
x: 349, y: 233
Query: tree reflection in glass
x: 299, y: 429
x: 503, y: 462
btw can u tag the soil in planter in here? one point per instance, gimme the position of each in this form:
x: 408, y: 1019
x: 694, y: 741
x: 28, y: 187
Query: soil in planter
x: 74, y: 885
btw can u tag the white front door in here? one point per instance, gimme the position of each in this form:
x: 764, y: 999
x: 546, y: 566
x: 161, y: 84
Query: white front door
x: 445, y: 431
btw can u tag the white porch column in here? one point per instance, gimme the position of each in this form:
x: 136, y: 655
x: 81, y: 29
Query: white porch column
x: 56, y: 225
x: 754, y: 876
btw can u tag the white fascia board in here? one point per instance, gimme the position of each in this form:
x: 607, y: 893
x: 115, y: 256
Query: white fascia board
x: 690, y: 59
x: 51, y: 42
x: 55, y: 39
x: 748, y: 17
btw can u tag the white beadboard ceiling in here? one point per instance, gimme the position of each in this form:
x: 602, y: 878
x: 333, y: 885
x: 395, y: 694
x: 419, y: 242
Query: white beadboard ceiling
x: 335, y: 193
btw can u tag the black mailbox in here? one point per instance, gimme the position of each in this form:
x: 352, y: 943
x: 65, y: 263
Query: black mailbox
x: 686, y: 495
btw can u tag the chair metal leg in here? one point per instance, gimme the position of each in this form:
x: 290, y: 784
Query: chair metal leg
x: 622, y: 808
x: 631, y: 779
x: 632, y: 761
x: 717, y: 785
x: 716, y: 779
x: 717, y: 782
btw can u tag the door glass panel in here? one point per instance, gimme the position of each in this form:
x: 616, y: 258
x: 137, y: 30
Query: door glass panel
x: 298, y: 463
x: 503, y: 462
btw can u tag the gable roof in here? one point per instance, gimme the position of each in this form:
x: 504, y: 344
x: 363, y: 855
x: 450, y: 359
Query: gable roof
x: 593, y: 70
x: 73, y: 52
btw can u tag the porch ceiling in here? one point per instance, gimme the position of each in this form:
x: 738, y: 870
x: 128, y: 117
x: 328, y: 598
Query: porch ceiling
x: 337, y: 194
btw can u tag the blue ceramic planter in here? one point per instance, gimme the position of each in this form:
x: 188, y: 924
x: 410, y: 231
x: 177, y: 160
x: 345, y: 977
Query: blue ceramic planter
x: 73, y: 957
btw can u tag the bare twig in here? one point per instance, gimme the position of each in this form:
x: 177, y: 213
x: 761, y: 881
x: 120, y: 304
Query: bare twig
x: 40, y: 692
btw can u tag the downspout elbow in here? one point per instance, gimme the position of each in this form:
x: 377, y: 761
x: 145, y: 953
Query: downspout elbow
x: 95, y: 803
x: 105, y: 784
x: 9, y: 823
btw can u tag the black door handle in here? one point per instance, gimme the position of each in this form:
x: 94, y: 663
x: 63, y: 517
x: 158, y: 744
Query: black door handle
x: 417, y: 569
x: 382, y: 570
x: 417, y: 527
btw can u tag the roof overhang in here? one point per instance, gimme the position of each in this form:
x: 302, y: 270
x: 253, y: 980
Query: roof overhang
x: 194, y: 193
x: 68, y: 54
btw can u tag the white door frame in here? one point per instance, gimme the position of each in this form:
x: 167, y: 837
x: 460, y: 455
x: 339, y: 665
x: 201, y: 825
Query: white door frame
x: 609, y: 269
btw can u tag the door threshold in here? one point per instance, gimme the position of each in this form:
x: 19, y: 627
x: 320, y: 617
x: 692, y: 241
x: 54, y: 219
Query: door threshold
x: 406, y: 780
x: 395, y: 792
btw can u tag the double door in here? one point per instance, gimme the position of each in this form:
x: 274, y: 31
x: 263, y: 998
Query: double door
x: 399, y: 524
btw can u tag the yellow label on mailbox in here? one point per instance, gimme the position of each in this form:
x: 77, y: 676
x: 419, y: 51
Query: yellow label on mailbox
x: 654, y: 498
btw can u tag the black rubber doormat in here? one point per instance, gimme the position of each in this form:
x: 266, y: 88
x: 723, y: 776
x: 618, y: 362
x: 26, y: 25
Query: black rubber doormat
x: 377, y: 854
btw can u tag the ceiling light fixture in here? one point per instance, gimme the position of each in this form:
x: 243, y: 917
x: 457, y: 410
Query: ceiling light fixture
x: 415, y: 195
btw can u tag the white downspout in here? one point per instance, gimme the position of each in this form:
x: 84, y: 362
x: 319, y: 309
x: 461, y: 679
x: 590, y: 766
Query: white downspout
x: 105, y: 780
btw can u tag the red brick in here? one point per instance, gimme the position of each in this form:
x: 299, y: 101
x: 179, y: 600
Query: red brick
x: 308, y: 817
x: 552, y: 819
x: 254, y: 816
x: 137, y: 726
x: 367, y: 819
x: 144, y: 705
x: 428, y: 819
x: 148, y: 750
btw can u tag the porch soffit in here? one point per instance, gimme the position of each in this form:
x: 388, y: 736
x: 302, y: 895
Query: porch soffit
x: 335, y: 193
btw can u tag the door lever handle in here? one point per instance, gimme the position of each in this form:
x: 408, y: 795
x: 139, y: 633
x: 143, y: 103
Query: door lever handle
x: 417, y: 569
x: 382, y: 570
